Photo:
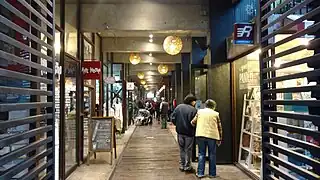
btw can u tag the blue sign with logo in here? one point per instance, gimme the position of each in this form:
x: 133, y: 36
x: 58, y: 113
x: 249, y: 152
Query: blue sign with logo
x: 243, y: 33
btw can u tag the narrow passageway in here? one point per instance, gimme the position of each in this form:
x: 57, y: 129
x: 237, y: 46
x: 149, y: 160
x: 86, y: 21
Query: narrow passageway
x: 151, y: 154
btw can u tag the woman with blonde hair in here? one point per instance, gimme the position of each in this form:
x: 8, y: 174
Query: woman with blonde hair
x: 208, y: 134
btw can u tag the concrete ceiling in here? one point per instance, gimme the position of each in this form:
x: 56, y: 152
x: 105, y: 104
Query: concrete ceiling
x: 125, y: 26
x: 156, y: 34
x: 196, y: 2
x: 146, y: 58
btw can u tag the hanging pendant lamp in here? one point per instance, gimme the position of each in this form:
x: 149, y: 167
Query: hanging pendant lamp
x: 140, y: 75
x: 143, y: 82
x: 134, y: 59
x: 163, y: 69
x: 172, y: 45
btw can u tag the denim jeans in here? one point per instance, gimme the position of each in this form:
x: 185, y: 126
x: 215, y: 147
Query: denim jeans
x: 203, y: 143
x: 185, y: 145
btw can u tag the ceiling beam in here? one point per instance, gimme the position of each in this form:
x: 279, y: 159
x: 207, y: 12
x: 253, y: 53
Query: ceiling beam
x: 156, y: 58
x: 138, y: 44
x: 147, y: 67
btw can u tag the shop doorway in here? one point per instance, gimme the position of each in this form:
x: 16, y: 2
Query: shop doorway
x: 199, y: 81
x: 88, y: 113
x: 69, y: 127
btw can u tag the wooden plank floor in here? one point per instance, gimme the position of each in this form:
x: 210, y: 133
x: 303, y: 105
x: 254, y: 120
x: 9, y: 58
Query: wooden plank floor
x: 151, y: 154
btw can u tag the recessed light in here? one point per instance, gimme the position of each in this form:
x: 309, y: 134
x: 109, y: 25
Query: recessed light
x: 150, y: 64
x: 151, y: 40
x: 151, y: 36
x: 150, y: 54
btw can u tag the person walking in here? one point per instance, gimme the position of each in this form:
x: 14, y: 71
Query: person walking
x: 181, y: 118
x: 164, y: 113
x: 208, y: 134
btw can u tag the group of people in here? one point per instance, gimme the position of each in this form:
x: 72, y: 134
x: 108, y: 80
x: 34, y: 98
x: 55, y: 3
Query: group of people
x: 202, y: 125
x: 159, y: 110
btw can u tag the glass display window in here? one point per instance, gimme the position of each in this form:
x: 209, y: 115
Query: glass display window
x: 71, y: 32
x: 247, y: 92
x: 200, y: 88
x: 71, y: 67
x: 88, y: 114
x: 88, y: 51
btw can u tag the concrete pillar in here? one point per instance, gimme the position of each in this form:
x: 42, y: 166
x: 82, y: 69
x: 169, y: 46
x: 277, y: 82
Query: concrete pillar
x: 178, y: 87
x: 185, y: 61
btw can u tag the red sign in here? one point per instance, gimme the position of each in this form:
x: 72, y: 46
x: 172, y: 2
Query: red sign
x: 91, y: 70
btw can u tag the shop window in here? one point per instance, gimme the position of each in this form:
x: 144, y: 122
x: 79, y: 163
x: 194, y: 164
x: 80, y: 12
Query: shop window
x: 57, y: 98
x: 71, y: 36
x: 200, y: 88
x: 88, y: 35
x: 105, y: 90
x: 57, y: 14
x: 247, y: 91
x: 71, y: 67
x: 88, y: 51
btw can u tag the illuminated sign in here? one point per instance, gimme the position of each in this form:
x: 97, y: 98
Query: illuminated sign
x: 243, y: 33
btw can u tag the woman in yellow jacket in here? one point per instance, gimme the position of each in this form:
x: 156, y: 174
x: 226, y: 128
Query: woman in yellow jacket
x: 208, y: 134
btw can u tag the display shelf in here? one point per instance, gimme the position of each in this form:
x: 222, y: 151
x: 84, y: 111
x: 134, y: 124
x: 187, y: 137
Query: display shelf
x: 253, y: 171
x: 250, y: 141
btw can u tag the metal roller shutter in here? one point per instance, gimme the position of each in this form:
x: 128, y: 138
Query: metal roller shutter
x: 26, y: 89
x: 290, y: 88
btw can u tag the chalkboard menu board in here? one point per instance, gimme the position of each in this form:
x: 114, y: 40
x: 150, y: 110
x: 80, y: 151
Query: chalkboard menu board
x: 102, y: 134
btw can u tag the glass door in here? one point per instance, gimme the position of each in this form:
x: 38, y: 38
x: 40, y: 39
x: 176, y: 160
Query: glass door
x: 70, y: 130
x: 89, y: 103
x: 199, y: 84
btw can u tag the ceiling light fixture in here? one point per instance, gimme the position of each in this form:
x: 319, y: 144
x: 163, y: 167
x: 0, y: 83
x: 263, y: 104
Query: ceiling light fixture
x: 150, y: 54
x: 135, y: 59
x: 140, y: 75
x: 172, y: 45
x: 151, y: 36
x: 151, y: 40
x: 150, y: 64
x: 163, y: 69
x: 143, y: 82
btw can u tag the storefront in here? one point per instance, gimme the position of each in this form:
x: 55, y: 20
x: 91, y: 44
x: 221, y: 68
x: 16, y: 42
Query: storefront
x: 76, y: 99
x: 246, y: 97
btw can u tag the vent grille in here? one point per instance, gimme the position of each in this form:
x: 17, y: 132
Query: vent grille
x: 26, y: 89
x: 290, y: 88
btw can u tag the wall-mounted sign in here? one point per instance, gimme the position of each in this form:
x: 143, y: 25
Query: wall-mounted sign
x: 130, y: 86
x: 243, y: 33
x: 109, y: 80
x: 91, y: 70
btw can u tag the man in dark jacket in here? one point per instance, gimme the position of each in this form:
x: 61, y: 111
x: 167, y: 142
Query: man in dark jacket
x: 181, y: 118
x: 164, y: 110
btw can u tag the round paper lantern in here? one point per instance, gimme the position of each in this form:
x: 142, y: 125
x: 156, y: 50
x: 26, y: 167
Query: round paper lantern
x: 143, y: 82
x: 135, y: 59
x: 140, y: 75
x: 172, y: 45
x: 163, y: 69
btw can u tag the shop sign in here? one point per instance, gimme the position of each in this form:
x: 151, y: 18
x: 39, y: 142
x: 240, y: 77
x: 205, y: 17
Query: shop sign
x: 243, y: 33
x: 109, y: 80
x: 130, y: 86
x: 91, y: 70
